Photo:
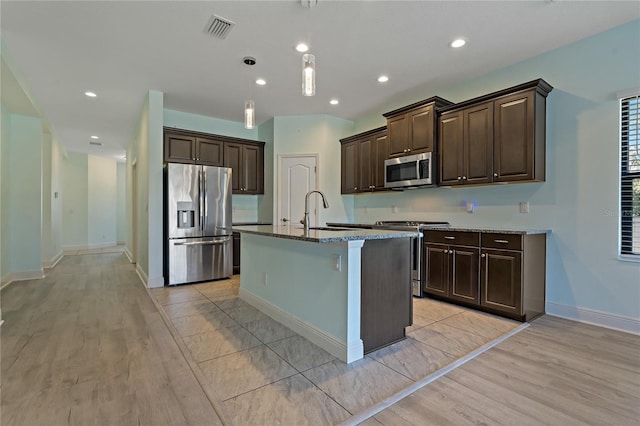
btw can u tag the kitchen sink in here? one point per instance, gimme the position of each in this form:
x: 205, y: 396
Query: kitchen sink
x: 327, y: 228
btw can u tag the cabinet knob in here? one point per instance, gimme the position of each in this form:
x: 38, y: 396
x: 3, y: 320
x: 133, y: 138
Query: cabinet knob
x: 464, y: 178
x: 355, y: 188
x: 459, y: 177
x: 483, y: 255
x: 409, y: 150
x: 495, y: 175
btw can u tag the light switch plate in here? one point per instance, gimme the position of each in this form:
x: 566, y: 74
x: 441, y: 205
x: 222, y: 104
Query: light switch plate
x: 524, y: 207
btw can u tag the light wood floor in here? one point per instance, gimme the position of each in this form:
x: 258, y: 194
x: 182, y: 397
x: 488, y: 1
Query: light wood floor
x: 86, y: 345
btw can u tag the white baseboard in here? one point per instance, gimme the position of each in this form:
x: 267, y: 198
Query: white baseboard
x: 327, y: 342
x: 128, y: 254
x: 53, y: 261
x: 590, y: 316
x: 154, y: 282
x: 108, y: 244
x: 36, y: 274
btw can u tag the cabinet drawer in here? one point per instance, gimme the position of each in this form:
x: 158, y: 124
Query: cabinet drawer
x: 454, y: 237
x: 502, y: 241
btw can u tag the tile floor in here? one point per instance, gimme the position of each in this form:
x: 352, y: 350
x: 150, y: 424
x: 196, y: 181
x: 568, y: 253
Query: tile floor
x: 265, y: 373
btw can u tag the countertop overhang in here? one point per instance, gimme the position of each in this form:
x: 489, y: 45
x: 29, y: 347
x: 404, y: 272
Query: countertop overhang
x: 323, y: 236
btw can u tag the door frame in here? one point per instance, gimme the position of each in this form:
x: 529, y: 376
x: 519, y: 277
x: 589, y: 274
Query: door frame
x: 316, y: 156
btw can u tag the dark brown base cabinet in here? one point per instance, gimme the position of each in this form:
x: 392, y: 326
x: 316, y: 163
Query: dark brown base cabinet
x: 386, y: 300
x: 236, y: 252
x: 498, y: 273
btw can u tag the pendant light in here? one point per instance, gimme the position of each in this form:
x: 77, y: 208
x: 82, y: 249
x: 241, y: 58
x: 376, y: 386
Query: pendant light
x: 249, y: 106
x: 249, y: 114
x: 308, y: 59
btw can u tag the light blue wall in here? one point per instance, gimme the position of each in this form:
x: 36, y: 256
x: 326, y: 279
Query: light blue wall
x: 25, y: 199
x: 75, y: 208
x: 579, y: 200
x: 121, y: 214
x: 310, y: 134
x: 265, y: 202
x: 101, y: 198
x: 4, y: 191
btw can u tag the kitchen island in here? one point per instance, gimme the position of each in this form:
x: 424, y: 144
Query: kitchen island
x: 346, y: 290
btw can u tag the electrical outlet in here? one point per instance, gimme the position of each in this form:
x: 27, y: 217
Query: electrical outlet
x: 263, y: 278
x: 524, y: 207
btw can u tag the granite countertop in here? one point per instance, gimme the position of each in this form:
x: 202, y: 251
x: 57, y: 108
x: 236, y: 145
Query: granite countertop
x: 486, y: 229
x: 323, y: 235
x: 482, y: 229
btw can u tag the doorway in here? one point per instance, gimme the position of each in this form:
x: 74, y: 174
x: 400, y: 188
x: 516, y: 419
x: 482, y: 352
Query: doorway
x: 134, y: 212
x: 298, y: 174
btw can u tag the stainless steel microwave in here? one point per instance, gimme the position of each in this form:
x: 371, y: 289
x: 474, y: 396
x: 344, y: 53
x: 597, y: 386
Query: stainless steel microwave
x: 411, y: 171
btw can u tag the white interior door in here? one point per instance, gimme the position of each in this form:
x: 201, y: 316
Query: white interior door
x: 297, y: 176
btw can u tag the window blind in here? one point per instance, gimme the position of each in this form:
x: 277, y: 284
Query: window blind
x: 630, y: 176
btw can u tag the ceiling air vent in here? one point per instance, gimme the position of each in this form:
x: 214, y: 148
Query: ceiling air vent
x: 95, y: 143
x: 219, y: 26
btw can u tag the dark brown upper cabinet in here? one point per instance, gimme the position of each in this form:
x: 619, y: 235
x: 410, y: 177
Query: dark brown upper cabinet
x: 247, y: 162
x: 496, y: 138
x: 466, y: 146
x: 362, y: 161
x: 412, y: 129
x: 245, y: 157
x: 192, y: 149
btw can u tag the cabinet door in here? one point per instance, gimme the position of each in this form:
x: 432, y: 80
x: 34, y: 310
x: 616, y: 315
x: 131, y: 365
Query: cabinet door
x: 451, y: 149
x: 478, y: 144
x: 513, y: 137
x: 236, y: 252
x: 436, y: 269
x: 421, y: 133
x: 349, y: 167
x: 233, y: 159
x: 465, y: 274
x: 365, y: 160
x: 179, y: 148
x: 381, y: 148
x: 501, y: 280
x: 398, y: 133
x: 252, y: 167
x: 209, y: 152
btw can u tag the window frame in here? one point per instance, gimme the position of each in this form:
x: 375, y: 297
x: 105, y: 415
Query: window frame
x: 627, y: 177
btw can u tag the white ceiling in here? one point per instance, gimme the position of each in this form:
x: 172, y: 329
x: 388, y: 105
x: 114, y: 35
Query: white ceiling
x: 120, y: 50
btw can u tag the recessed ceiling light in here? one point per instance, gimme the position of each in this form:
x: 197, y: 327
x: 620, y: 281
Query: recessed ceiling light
x: 261, y: 82
x: 302, y: 47
x: 95, y: 137
x: 90, y: 94
x: 459, y: 42
x: 334, y: 102
x: 383, y: 79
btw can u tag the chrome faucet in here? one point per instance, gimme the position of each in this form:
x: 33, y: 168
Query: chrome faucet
x: 305, y: 219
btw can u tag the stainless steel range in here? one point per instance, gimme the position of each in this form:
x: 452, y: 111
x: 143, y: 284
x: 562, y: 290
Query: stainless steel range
x: 416, y: 251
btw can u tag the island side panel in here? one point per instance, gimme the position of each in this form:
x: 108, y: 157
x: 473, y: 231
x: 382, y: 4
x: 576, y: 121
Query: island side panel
x: 386, y: 292
x: 303, y: 288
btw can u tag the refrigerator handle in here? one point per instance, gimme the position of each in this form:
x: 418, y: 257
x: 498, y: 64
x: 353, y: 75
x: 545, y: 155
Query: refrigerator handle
x: 205, y: 200
x: 200, y: 198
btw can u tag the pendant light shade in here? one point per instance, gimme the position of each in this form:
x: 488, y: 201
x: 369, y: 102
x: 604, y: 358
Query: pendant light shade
x: 308, y: 74
x: 249, y: 114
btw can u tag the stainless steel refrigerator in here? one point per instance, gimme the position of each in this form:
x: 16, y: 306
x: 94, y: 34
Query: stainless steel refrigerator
x: 199, y: 243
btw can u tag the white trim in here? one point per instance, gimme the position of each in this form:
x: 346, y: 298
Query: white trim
x: 155, y: 282
x: 599, y: 318
x: 628, y: 93
x: 128, y: 254
x: 48, y: 264
x: 141, y: 274
x: 67, y: 249
x: 36, y: 274
x: 326, y: 341
x: 403, y: 393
